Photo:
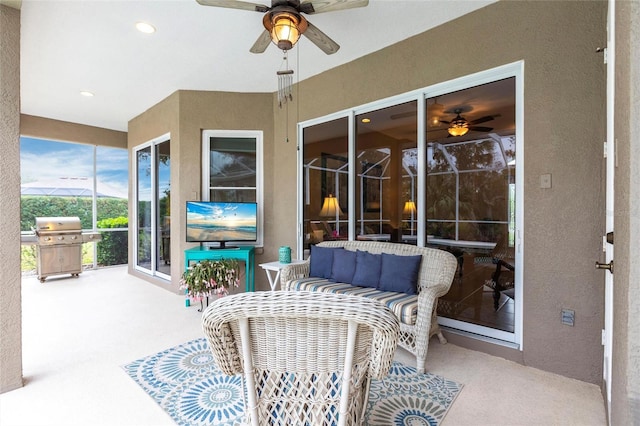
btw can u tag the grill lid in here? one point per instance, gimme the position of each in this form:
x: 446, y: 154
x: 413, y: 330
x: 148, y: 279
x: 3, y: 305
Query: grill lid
x: 57, y: 224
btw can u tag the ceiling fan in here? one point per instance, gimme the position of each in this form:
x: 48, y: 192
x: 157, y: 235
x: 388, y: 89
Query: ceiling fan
x: 459, y: 126
x: 284, y: 23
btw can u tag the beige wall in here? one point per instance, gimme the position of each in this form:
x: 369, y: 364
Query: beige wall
x: 564, y: 128
x: 47, y: 128
x: 564, y: 108
x: 626, y: 339
x: 185, y: 114
x: 10, y: 290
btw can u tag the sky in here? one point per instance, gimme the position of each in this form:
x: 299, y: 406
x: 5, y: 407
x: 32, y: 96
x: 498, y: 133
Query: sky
x: 44, y: 160
x: 239, y: 214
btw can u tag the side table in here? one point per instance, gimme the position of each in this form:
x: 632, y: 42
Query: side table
x: 276, y: 267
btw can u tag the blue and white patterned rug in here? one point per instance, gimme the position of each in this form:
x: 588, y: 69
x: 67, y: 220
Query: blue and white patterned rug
x: 188, y: 385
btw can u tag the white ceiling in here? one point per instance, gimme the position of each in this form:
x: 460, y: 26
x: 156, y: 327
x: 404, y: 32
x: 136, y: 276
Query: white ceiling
x: 70, y: 46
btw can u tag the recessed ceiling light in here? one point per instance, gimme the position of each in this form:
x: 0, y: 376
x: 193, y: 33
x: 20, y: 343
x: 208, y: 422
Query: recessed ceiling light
x: 366, y: 120
x: 86, y: 93
x: 146, y: 28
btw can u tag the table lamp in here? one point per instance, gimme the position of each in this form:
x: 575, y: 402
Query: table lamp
x: 331, y: 208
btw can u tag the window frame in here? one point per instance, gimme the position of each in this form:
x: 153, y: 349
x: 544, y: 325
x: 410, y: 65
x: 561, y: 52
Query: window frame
x: 259, y: 188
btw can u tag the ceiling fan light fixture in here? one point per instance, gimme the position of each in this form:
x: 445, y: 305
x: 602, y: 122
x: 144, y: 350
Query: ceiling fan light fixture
x: 285, y: 28
x: 458, y: 127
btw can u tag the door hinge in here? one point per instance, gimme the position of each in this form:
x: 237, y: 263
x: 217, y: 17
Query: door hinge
x: 604, y: 337
x: 604, y: 153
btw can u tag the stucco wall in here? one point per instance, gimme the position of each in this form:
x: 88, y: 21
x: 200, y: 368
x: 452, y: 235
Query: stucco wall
x: 47, y: 128
x: 185, y: 114
x: 564, y: 108
x: 625, y: 383
x: 10, y: 290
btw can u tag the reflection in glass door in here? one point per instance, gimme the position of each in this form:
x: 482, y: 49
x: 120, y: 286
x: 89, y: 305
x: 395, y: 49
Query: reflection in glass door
x: 386, y: 174
x: 470, y: 208
x: 143, y: 200
x: 436, y: 169
x: 153, y: 233
x: 163, y: 208
x: 326, y: 182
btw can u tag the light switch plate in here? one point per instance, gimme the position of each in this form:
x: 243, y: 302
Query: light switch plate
x: 545, y: 181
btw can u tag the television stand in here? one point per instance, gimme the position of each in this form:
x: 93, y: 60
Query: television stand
x: 241, y: 253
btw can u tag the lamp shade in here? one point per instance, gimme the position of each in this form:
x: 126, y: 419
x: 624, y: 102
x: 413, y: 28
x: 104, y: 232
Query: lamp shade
x: 409, y: 207
x: 330, y: 207
x: 285, y: 28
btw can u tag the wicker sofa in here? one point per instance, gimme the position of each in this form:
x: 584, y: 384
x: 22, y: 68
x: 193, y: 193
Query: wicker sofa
x: 416, y: 312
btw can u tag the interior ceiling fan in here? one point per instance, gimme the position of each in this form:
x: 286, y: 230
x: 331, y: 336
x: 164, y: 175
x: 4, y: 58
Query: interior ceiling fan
x: 460, y: 126
x: 284, y: 23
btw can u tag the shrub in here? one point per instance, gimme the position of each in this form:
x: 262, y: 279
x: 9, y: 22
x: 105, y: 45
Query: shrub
x: 112, y: 250
x: 82, y: 207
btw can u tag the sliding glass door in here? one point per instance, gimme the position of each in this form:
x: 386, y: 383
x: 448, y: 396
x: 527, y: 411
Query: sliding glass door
x: 435, y: 168
x: 471, y: 209
x: 153, y: 196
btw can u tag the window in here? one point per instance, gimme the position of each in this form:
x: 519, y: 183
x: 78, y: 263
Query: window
x: 232, y: 169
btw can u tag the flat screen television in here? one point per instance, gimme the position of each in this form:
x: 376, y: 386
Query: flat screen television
x: 221, y: 222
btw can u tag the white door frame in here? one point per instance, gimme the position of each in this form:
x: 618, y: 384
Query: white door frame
x: 607, y: 332
x: 134, y: 162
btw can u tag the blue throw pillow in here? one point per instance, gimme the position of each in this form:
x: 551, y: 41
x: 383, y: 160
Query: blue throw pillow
x: 321, y: 261
x: 399, y: 273
x: 367, y: 271
x: 344, y: 266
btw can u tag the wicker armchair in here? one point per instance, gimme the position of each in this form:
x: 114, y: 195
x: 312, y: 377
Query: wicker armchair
x: 436, y: 274
x: 306, y: 358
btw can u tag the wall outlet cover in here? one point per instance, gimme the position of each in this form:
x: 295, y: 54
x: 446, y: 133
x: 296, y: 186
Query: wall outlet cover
x: 568, y: 317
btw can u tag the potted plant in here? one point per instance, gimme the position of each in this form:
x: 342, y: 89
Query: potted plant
x: 209, y: 277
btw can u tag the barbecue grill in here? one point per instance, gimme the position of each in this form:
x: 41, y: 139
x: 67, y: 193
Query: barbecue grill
x: 59, y: 245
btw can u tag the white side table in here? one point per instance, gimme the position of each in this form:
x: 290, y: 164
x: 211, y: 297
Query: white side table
x: 276, y: 267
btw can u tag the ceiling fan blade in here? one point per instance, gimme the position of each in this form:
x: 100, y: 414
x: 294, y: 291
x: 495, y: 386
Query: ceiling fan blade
x: 321, y: 6
x: 235, y: 4
x: 445, y: 122
x: 261, y: 43
x: 320, y: 39
x: 484, y: 119
x: 481, y: 129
